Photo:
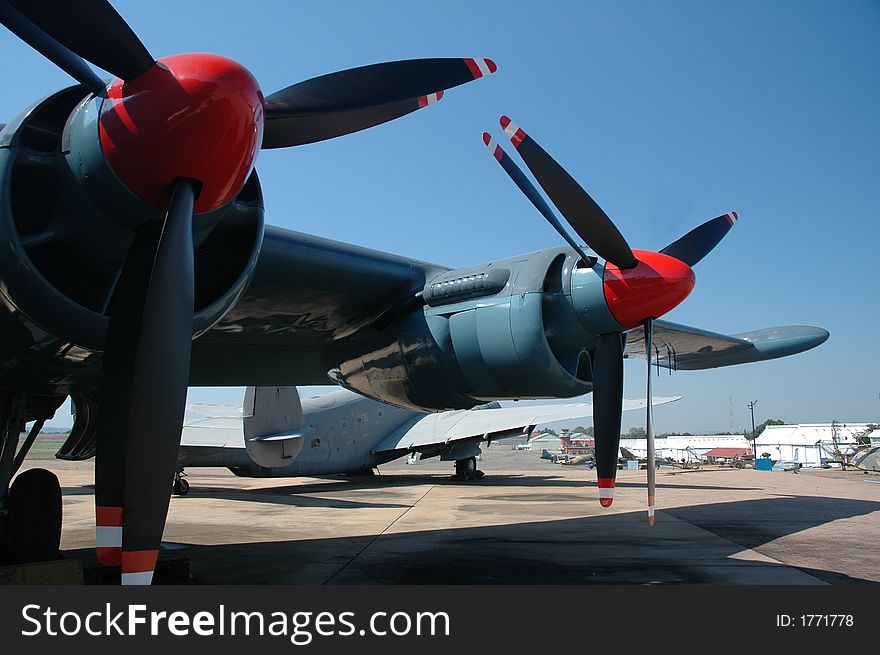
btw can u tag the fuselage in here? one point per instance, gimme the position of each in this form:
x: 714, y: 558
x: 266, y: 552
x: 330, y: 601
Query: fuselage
x: 344, y: 428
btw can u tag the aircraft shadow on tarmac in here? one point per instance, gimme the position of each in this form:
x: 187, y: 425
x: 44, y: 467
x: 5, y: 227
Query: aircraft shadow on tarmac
x: 294, y: 494
x: 755, y: 522
x: 609, y: 549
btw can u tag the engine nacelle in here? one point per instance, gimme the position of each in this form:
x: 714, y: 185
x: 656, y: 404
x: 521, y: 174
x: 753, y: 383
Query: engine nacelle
x: 66, y: 223
x: 517, y: 328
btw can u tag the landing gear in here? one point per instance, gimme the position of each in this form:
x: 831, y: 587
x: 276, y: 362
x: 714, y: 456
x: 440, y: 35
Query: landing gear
x: 180, y: 487
x: 34, y: 516
x: 30, y: 507
x: 466, y: 469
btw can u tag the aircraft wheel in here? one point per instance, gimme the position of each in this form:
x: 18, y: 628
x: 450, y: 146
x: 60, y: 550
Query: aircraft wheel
x: 466, y: 469
x: 34, y: 504
x: 180, y: 487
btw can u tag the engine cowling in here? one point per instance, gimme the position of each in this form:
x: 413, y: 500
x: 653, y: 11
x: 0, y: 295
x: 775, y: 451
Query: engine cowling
x: 66, y: 222
x: 516, y: 328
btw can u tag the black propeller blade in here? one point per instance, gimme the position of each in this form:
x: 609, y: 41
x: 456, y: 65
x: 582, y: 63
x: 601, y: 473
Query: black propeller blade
x: 583, y: 214
x: 607, y: 410
x: 39, y: 40
x: 90, y: 28
x: 355, y: 99
x: 530, y: 192
x: 143, y: 390
x: 649, y: 422
x: 700, y: 241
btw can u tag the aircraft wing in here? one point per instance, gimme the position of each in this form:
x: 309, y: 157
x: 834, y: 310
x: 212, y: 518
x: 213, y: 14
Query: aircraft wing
x: 207, y: 410
x: 686, y: 348
x: 446, y: 428
x: 213, y: 426
x: 308, y: 294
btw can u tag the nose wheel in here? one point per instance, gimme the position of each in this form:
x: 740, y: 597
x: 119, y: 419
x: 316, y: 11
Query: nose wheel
x: 466, y: 469
x: 179, y: 487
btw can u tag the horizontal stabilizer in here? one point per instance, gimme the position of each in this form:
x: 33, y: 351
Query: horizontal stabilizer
x: 286, y: 436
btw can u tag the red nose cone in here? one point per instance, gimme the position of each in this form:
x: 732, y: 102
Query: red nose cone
x: 196, y: 116
x: 649, y: 290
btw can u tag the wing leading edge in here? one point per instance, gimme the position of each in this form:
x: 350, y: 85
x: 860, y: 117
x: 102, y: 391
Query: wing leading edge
x: 686, y: 348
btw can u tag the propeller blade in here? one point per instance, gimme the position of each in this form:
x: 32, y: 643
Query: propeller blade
x: 583, y: 214
x: 68, y: 61
x: 352, y: 100
x: 143, y: 390
x: 93, y: 30
x: 607, y: 411
x: 700, y: 241
x: 531, y: 192
x: 649, y: 422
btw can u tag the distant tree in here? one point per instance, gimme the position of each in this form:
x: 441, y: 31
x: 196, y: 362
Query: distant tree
x: 636, y: 433
x: 582, y: 430
x: 760, y: 428
x: 723, y: 434
x: 674, y: 434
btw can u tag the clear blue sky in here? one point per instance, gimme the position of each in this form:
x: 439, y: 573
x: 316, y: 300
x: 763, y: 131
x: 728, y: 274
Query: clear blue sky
x: 669, y: 113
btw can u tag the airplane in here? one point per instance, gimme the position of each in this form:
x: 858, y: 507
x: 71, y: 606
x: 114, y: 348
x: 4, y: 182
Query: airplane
x: 138, y: 263
x: 867, y: 459
x: 276, y: 434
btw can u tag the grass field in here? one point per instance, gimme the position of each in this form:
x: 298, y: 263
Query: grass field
x: 46, y: 447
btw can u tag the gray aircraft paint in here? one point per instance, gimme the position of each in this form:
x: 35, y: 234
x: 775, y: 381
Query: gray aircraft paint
x: 345, y: 427
x: 345, y: 432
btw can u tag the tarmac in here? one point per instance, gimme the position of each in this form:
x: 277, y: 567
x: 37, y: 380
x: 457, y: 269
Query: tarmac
x: 528, y: 521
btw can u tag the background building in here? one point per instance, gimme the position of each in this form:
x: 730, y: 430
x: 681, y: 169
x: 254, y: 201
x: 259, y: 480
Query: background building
x: 814, y: 444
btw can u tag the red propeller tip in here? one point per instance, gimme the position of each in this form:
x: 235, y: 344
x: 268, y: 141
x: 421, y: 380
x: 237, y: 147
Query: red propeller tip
x: 109, y: 556
x: 493, y: 147
x: 481, y: 67
x: 138, y: 566
x: 513, y: 131
x: 429, y: 99
x: 651, y: 521
x: 108, y: 535
x: 606, y: 491
x: 732, y: 218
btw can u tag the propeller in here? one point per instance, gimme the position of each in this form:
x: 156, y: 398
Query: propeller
x: 143, y: 389
x: 67, y: 60
x: 649, y: 421
x: 92, y: 29
x: 530, y: 192
x: 700, y: 241
x: 637, y: 286
x: 607, y: 411
x: 355, y: 99
x: 583, y: 214
x: 182, y: 134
